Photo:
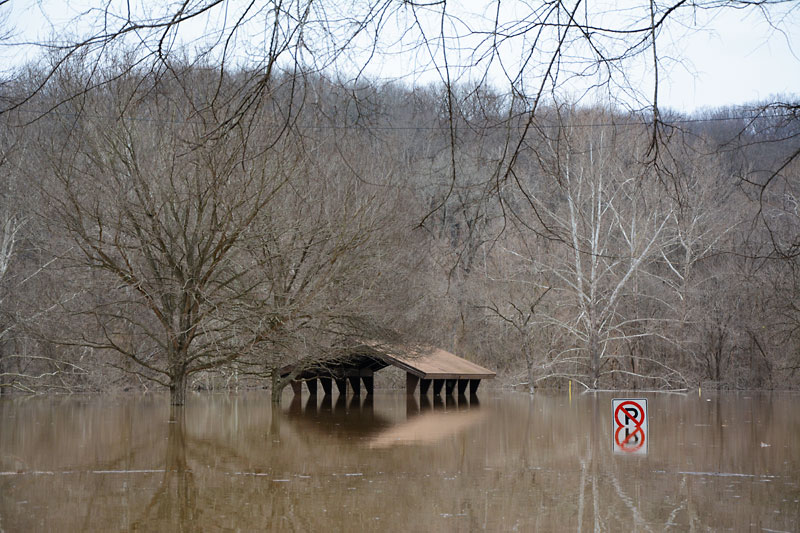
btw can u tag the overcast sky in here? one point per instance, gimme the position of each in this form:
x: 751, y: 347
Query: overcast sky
x: 713, y: 58
x: 738, y: 58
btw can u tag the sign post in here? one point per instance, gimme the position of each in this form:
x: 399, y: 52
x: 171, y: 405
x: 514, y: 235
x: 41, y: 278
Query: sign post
x: 630, y: 425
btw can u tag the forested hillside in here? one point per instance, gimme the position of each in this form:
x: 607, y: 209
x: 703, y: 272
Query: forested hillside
x: 146, y: 242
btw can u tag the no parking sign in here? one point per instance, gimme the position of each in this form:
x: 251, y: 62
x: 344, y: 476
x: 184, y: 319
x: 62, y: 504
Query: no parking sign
x: 630, y: 425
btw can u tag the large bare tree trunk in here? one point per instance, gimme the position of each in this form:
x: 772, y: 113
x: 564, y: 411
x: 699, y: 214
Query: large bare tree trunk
x: 277, y: 387
x: 178, y: 379
x: 529, y: 365
x: 177, y: 389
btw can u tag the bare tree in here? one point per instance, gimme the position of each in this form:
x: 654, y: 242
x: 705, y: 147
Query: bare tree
x: 611, y: 226
x: 523, y: 319
x: 9, y: 228
x: 237, y: 250
x: 159, y: 211
x: 320, y: 252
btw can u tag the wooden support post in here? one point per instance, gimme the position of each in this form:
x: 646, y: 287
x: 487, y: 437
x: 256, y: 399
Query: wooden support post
x: 368, y: 406
x: 424, y: 385
x: 425, y: 403
x: 296, y: 407
x: 411, y: 383
x: 341, y: 403
x: 353, y: 402
x: 449, y: 386
x: 369, y: 383
x: 326, y: 385
x: 412, y: 407
x: 462, y: 386
x: 312, y: 386
x: 326, y: 405
x: 341, y: 384
x: 438, y: 403
x: 437, y: 387
x: 473, y: 387
x: 297, y: 387
x: 449, y: 401
x: 355, y: 384
x: 311, y: 406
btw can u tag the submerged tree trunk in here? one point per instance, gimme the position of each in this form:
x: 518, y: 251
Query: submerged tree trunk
x: 529, y: 365
x: 277, y: 387
x: 177, y: 388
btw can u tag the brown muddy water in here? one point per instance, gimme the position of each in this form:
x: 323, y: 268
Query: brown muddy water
x: 509, y: 463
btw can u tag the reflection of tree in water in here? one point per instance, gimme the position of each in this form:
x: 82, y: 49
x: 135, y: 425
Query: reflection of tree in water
x: 181, y: 497
x: 174, y: 504
x: 613, y: 492
x: 603, y: 504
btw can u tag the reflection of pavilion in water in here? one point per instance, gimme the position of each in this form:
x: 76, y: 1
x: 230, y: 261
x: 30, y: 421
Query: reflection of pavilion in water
x: 427, y: 421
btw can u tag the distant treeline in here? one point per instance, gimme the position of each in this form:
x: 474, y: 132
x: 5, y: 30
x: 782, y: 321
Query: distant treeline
x: 197, y: 231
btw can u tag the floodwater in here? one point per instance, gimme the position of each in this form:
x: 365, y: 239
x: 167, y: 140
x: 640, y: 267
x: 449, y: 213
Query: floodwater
x: 233, y: 463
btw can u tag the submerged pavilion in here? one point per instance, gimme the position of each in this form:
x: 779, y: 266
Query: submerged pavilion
x: 424, y: 366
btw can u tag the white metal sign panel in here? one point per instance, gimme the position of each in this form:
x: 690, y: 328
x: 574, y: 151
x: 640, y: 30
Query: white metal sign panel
x: 630, y: 425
